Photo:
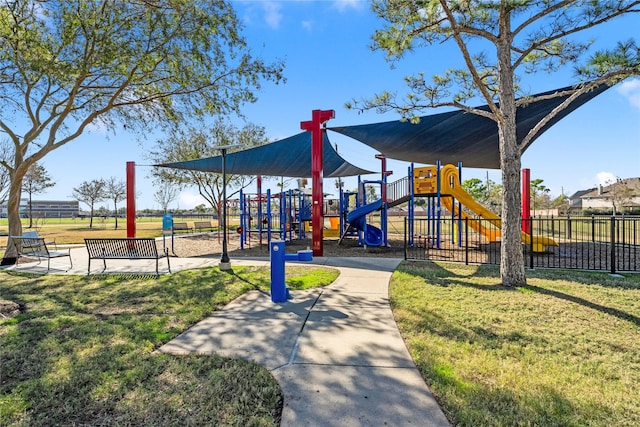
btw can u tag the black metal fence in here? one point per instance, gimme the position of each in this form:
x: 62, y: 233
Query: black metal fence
x: 587, y: 243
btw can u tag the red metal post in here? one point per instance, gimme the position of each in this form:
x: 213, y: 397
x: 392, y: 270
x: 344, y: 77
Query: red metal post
x: 526, y: 199
x: 318, y: 117
x: 131, y: 199
x: 383, y: 185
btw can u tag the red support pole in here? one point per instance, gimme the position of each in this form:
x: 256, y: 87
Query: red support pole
x: 318, y: 117
x: 526, y: 199
x: 383, y: 186
x: 131, y: 199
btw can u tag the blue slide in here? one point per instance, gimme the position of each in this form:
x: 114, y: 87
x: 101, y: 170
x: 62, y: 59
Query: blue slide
x: 358, y: 220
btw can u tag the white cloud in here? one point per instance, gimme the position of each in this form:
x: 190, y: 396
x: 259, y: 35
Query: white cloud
x: 630, y: 89
x: 307, y: 25
x: 343, y: 5
x: 272, y: 15
x: 605, y: 178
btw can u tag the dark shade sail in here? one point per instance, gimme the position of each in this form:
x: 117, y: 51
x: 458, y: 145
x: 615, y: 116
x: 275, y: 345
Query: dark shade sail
x: 290, y: 157
x: 458, y: 136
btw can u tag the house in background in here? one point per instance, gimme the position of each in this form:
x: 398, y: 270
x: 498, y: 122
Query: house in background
x: 619, y: 197
x: 575, y: 200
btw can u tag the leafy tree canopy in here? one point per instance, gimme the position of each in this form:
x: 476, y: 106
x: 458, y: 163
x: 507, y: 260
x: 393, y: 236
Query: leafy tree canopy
x: 499, y: 42
x: 190, y: 143
x: 65, y: 64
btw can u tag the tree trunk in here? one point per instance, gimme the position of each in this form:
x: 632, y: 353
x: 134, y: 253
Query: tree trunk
x: 511, y: 259
x: 15, y: 225
x: 30, y: 212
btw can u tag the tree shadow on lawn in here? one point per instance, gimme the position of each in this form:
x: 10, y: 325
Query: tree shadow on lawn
x: 440, y: 276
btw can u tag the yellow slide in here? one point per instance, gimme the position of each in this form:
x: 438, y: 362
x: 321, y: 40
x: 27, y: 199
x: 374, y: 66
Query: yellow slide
x: 450, y: 184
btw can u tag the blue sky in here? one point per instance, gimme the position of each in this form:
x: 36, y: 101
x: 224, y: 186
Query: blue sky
x: 325, y: 45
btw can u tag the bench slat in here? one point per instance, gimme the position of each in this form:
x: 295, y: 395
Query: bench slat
x: 30, y: 246
x: 124, y: 248
x: 202, y: 225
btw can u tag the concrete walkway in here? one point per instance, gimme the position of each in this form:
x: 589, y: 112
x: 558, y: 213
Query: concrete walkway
x: 336, y: 352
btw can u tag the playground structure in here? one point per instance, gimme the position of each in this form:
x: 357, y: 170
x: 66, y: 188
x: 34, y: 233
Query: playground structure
x: 441, y: 185
x: 281, y: 215
x: 285, y: 216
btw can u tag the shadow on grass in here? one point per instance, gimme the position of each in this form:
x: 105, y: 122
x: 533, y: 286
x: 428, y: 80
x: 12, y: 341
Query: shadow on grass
x: 623, y: 315
x: 438, y: 275
x: 82, y: 353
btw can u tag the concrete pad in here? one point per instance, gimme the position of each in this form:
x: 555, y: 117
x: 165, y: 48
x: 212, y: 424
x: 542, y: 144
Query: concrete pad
x: 363, y: 263
x: 336, y: 297
x: 357, y: 315
x: 251, y: 327
x: 268, y: 342
x: 355, y: 344
x: 259, y: 304
x: 349, y: 396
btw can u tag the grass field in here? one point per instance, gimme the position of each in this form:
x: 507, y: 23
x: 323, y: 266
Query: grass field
x: 562, y: 351
x: 82, y: 353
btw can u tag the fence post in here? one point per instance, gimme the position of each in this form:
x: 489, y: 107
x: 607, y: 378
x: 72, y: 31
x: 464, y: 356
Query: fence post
x: 613, y: 244
x: 405, y: 238
x: 530, y: 219
x: 466, y: 240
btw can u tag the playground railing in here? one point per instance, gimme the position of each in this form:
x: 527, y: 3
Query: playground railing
x: 399, y: 190
x: 601, y: 243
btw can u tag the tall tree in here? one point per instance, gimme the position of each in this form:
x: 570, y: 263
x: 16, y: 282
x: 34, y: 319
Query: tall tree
x: 195, y: 143
x: 66, y: 64
x: 90, y: 193
x: 36, y: 181
x: 165, y: 194
x: 116, y: 191
x: 498, y: 42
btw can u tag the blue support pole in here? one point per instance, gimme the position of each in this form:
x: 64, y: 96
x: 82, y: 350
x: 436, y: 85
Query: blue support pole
x: 438, y: 204
x: 411, y: 206
x: 459, y: 183
x: 268, y: 215
x: 242, y: 220
x: 289, y: 214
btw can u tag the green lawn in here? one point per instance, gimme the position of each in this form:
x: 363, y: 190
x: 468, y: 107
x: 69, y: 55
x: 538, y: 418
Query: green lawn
x: 562, y: 351
x: 82, y: 353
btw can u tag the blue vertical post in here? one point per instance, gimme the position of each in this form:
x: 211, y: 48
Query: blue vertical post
x: 459, y: 183
x: 279, y: 291
x: 438, y: 203
x: 268, y: 215
x: 167, y: 230
x: 411, y: 205
x: 290, y: 213
x: 243, y: 227
x: 260, y: 209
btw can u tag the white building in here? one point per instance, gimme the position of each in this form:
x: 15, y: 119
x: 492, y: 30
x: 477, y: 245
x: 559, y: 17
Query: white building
x: 45, y: 208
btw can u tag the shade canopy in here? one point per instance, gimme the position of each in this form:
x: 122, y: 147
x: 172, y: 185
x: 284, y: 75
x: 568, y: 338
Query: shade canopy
x: 290, y: 157
x: 458, y: 136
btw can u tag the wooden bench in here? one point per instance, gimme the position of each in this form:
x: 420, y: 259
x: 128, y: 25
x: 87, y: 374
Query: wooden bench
x: 124, y: 248
x: 181, y: 226
x: 36, y: 247
x: 202, y: 225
